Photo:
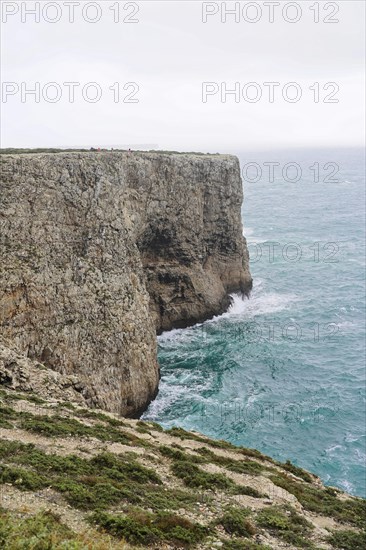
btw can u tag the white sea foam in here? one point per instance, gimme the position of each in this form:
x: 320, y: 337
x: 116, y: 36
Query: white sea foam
x: 260, y: 303
x: 360, y: 457
x: 248, y: 231
x: 176, y: 334
x: 350, y: 438
x: 168, y: 394
x: 347, y: 485
x: 172, y: 390
x: 346, y: 324
x: 333, y: 448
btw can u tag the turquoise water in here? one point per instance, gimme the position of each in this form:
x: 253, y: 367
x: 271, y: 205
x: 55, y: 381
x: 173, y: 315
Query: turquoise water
x: 283, y: 372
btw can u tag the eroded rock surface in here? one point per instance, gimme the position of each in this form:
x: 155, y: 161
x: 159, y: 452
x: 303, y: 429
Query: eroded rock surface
x: 187, y: 222
x: 101, y: 250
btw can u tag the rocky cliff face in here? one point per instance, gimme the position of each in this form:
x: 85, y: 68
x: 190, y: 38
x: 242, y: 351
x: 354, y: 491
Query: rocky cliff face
x: 101, y: 250
x: 187, y: 225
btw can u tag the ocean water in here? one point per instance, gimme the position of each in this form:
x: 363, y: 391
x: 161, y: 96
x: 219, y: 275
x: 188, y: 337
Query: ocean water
x: 283, y: 371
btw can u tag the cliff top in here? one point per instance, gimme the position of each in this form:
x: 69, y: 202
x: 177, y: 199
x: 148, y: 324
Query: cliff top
x: 90, y: 479
x: 100, y: 251
x: 10, y: 151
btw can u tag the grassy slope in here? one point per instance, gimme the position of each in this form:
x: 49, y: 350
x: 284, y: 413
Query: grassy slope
x: 76, y: 478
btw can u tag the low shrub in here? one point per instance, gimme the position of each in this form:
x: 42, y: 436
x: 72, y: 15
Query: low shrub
x: 235, y: 522
x: 141, y: 527
x: 348, y: 540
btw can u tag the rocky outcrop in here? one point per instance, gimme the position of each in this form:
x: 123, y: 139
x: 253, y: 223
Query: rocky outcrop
x: 188, y: 228
x: 101, y: 250
x: 19, y: 373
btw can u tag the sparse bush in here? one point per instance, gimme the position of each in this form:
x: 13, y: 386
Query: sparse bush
x: 285, y: 523
x: 140, y: 527
x: 348, y: 540
x: 235, y: 522
x: 324, y: 502
x: 192, y: 476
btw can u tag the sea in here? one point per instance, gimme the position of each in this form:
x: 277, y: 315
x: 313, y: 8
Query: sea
x: 284, y: 371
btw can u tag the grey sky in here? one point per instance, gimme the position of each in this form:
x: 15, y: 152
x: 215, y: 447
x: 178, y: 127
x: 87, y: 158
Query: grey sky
x: 169, y: 53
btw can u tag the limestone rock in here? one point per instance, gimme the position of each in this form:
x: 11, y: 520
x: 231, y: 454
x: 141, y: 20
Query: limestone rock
x: 24, y: 375
x: 100, y: 250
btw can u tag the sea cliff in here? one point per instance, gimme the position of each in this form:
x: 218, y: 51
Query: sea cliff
x: 101, y: 251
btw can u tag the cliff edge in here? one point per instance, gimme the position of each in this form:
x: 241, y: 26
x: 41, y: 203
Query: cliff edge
x: 99, y: 251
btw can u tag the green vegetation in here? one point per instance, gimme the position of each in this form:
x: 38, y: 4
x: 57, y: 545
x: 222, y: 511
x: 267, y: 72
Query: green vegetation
x: 243, y: 545
x: 104, y: 480
x: 184, y: 466
x: 325, y: 501
x: 284, y: 522
x: 143, y: 427
x: 146, y: 427
x: 7, y: 416
x: 67, y: 405
x: 14, y: 396
x: 90, y: 493
x: 250, y: 491
x: 155, y: 426
x: 194, y: 477
x: 7, y: 413
x: 235, y: 522
x: 122, y: 465
x: 23, y: 479
x: 86, y: 413
x: 299, y: 472
x: 57, y: 425
x: 221, y: 444
x: 6, y: 396
x: 44, y: 528
x: 183, y: 434
x: 239, y: 466
x: 163, y: 499
x: 5, y: 424
x: 60, y: 426
x: 148, y: 509
x: 255, y: 454
x: 44, y: 531
x: 33, y: 399
x: 217, y: 443
x: 348, y: 540
x: 177, y: 454
x: 140, y: 527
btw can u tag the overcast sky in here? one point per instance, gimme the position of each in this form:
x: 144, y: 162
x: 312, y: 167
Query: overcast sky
x: 169, y: 53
